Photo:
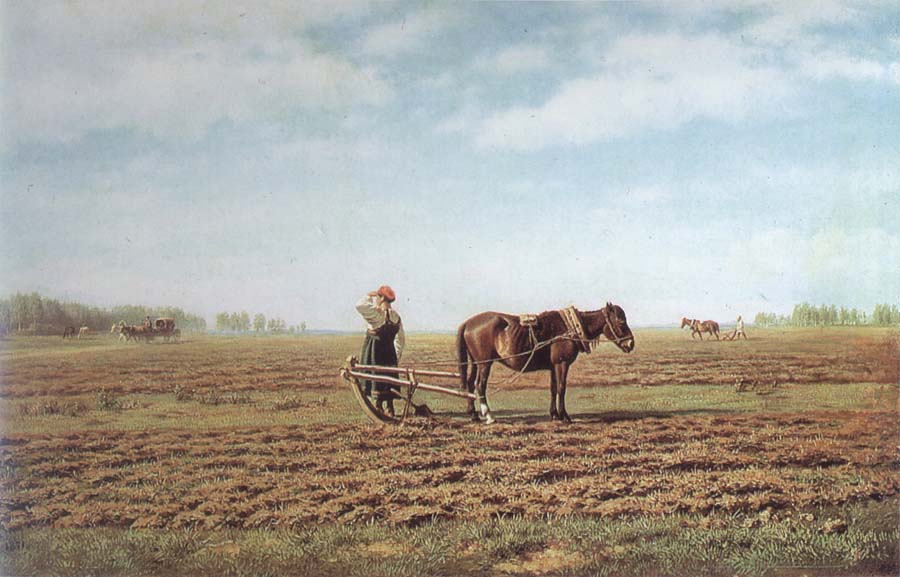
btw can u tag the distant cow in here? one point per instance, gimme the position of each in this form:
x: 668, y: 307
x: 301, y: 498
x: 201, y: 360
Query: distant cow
x: 68, y: 332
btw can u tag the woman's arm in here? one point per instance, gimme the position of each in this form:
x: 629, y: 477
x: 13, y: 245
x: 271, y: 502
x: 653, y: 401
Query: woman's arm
x: 368, y: 310
x: 400, y: 341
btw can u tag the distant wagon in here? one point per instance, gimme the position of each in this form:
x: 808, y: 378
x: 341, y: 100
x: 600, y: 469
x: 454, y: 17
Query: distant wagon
x: 165, y: 328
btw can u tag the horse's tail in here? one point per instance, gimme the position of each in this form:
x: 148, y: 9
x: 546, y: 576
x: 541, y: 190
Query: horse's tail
x: 462, y: 352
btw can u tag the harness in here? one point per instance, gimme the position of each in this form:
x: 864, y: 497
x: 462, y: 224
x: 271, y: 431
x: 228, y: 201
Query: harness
x: 529, y: 321
x: 575, y: 328
x: 614, y: 328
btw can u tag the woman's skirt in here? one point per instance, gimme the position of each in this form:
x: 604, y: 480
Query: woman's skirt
x: 378, y: 351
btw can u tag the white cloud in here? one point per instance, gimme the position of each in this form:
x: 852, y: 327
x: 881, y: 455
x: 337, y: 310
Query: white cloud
x: 406, y: 34
x: 153, y: 73
x: 649, y: 83
x: 649, y: 194
x: 330, y: 156
x: 463, y: 120
x: 894, y: 72
x: 441, y: 82
x: 830, y: 65
x: 514, y: 60
x: 784, y: 22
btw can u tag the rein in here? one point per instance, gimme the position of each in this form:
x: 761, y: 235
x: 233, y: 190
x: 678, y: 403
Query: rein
x: 612, y: 328
x: 569, y: 335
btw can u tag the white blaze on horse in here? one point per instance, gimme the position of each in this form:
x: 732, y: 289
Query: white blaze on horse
x: 120, y: 329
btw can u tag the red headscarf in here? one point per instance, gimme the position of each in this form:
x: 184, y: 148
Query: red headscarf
x: 388, y: 293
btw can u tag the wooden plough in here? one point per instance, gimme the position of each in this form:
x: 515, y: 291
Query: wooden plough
x: 405, y: 378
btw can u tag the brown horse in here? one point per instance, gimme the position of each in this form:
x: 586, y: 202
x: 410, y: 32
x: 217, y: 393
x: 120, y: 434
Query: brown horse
x: 137, y: 333
x: 550, y: 346
x: 700, y: 327
x: 69, y: 332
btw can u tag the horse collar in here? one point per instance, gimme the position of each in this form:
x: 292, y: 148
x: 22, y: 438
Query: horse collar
x: 574, y: 326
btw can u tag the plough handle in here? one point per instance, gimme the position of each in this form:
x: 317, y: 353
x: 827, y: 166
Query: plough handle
x: 404, y: 370
x: 403, y: 383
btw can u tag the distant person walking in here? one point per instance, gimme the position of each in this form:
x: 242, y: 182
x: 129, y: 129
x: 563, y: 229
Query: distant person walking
x: 384, y: 342
x: 738, y: 331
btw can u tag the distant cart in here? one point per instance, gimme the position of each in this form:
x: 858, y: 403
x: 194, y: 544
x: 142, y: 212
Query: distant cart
x: 165, y: 328
x: 406, y: 379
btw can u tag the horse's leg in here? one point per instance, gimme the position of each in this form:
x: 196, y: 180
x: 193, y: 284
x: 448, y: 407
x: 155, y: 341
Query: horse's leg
x: 484, y: 371
x: 562, y: 372
x: 554, y: 414
x: 470, y: 385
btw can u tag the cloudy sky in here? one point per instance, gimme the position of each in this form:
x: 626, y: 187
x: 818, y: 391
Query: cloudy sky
x: 285, y: 158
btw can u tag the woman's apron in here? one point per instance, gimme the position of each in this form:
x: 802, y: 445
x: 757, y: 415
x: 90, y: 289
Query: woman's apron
x: 378, y: 349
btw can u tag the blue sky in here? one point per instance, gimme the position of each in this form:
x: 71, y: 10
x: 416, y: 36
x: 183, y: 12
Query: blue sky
x: 285, y: 158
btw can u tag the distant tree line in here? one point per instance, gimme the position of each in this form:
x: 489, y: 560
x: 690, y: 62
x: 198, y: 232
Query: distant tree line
x: 240, y: 323
x: 34, y: 314
x: 807, y: 315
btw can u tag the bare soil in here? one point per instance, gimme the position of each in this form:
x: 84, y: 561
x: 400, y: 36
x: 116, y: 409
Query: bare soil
x: 610, y: 463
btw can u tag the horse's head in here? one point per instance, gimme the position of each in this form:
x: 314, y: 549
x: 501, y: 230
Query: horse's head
x: 686, y: 322
x: 616, y: 328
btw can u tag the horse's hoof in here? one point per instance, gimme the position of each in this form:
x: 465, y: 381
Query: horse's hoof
x: 554, y: 416
x: 489, y: 420
x: 475, y: 418
x: 565, y: 418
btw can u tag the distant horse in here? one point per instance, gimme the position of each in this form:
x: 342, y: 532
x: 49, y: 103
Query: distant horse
x: 138, y: 332
x: 68, y: 332
x: 120, y: 328
x: 551, y: 345
x: 700, y: 327
x: 83, y: 331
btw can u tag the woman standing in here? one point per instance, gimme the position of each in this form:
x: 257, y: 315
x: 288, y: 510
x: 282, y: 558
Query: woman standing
x: 384, y: 340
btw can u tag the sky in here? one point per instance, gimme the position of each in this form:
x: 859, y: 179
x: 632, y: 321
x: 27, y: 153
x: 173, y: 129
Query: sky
x: 678, y: 159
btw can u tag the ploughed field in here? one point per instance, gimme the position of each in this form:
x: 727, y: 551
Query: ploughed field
x: 219, y: 433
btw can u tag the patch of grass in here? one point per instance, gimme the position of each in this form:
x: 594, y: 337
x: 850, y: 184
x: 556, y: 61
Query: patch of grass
x: 51, y: 408
x: 110, y: 401
x: 667, y: 546
x: 214, y: 397
x: 192, y: 409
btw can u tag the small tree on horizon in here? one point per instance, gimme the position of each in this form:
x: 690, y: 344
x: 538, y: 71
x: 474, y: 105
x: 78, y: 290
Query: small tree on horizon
x: 259, y: 323
x: 222, y: 322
